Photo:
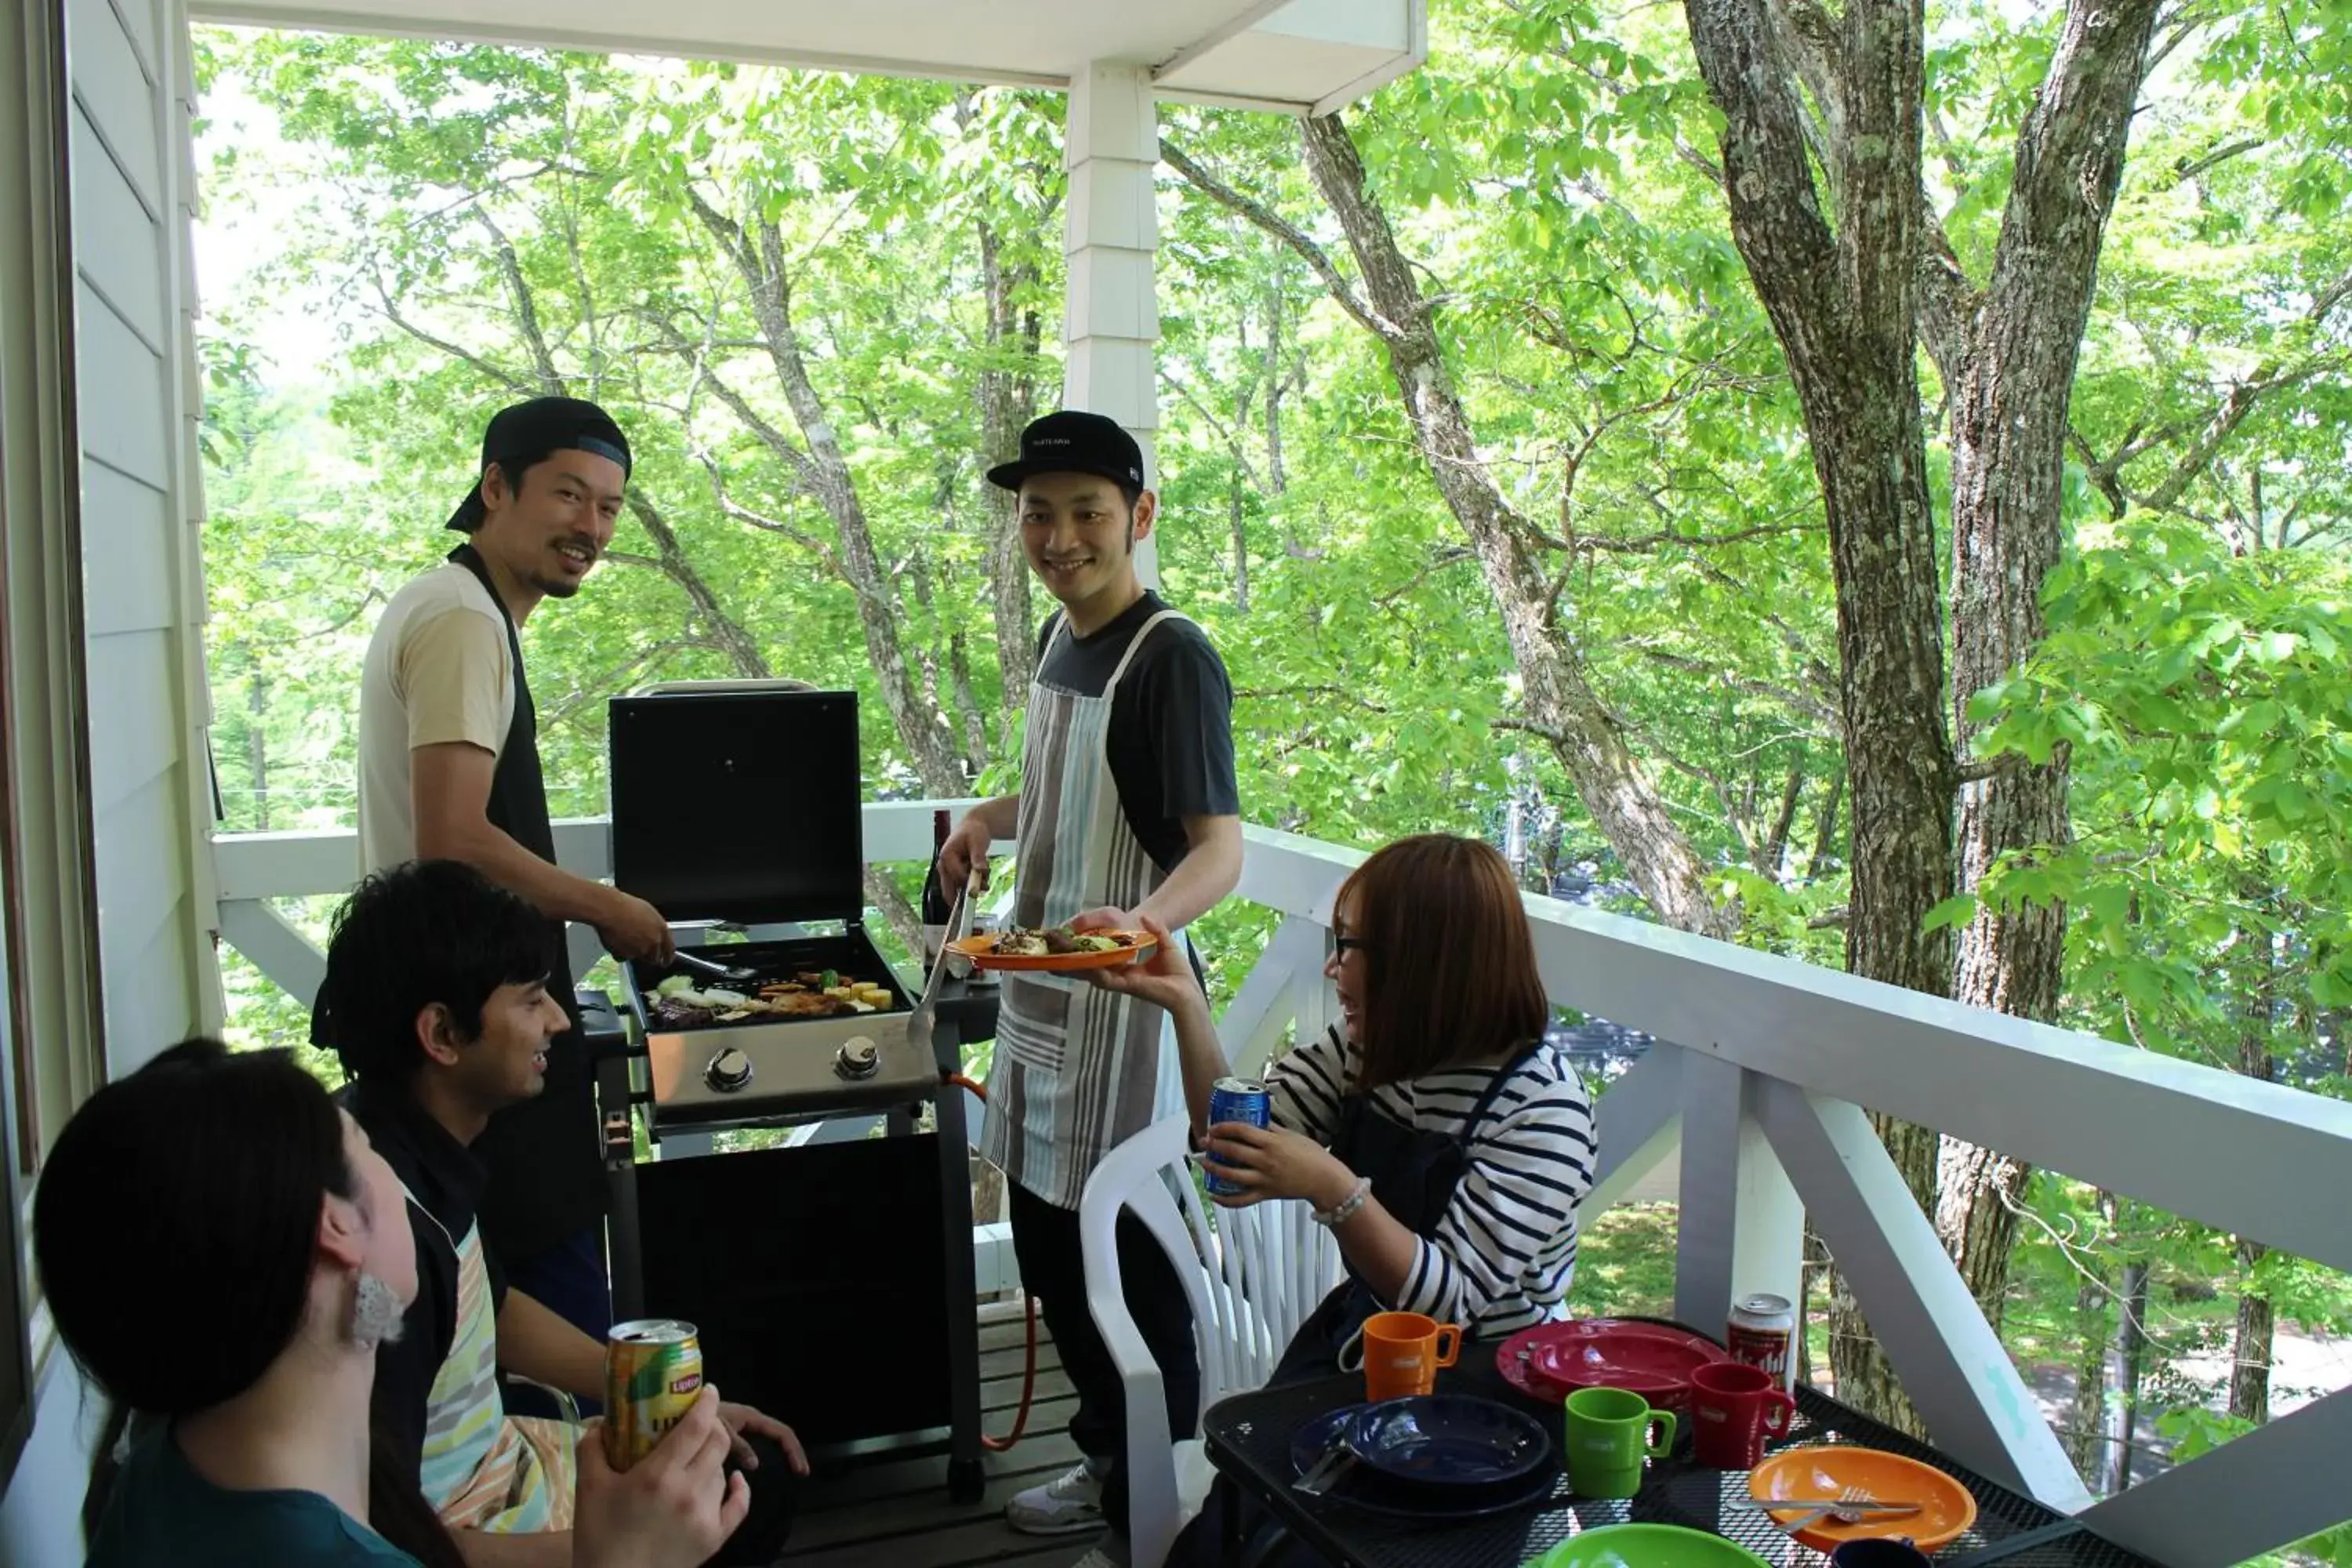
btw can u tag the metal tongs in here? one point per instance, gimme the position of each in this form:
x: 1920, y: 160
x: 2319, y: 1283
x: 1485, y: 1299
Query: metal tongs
x: 712, y: 967
x: 924, y: 1021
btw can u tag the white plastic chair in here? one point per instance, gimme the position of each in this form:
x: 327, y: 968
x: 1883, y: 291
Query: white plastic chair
x: 1251, y: 1281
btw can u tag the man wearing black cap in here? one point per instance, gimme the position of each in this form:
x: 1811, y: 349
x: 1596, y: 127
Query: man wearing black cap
x: 449, y: 770
x: 1127, y: 807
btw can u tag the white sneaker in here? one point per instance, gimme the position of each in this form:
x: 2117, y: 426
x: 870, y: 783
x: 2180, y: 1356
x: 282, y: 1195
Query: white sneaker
x: 1102, y: 1557
x: 1067, y: 1505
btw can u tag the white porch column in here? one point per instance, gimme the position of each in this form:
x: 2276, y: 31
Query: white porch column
x: 1742, y: 1229
x: 1110, y: 324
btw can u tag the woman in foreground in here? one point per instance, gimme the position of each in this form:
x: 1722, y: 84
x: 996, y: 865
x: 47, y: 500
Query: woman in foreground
x: 1444, y: 1144
x: 222, y: 1252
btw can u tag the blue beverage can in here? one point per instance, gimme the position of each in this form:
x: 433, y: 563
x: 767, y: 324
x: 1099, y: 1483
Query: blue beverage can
x: 1236, y: 1100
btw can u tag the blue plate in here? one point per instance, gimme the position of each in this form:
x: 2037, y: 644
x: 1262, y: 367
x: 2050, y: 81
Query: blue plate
x: 1368, y: 1489
x: 1448, y: 1440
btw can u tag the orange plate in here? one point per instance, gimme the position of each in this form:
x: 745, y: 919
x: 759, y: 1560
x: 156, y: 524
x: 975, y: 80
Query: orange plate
x: 1820, y: 1474
x: 981, y: 951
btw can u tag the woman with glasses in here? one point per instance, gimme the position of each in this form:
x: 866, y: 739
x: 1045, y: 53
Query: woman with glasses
x: 1442, y: 1141
x: 1444, y: 1144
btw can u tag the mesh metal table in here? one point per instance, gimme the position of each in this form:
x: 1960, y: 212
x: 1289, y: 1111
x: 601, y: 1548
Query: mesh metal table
x: 1248, y: 1439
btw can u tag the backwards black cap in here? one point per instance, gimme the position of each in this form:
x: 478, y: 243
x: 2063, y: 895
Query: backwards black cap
x: 1072, y: 442
x: 544, y: 424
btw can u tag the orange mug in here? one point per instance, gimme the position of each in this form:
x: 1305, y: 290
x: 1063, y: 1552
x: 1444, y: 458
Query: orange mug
x: 1402, y: 1352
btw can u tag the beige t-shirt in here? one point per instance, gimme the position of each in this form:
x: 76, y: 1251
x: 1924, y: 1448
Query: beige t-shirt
x: 437, y: 672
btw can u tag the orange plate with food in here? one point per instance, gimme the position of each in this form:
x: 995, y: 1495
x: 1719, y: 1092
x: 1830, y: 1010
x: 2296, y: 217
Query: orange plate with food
x: 1059, y: 951
x: 1825, y: 1473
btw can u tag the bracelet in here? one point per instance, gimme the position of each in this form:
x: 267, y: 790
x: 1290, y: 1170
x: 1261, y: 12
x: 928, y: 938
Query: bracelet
x: 1345, y: 1210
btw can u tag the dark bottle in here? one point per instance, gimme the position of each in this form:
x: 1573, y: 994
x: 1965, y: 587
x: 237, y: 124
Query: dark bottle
x: 938, y: 909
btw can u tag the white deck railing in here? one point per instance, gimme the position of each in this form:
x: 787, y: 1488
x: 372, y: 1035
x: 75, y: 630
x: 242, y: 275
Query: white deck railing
x: 1762, y: 1096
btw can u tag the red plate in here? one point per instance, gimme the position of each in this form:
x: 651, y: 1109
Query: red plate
x: 1551, y: 1361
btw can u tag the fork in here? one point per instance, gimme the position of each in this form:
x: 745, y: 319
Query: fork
x: 1850, y: 1506
x: 1338, y: 1459
x: 1854, y: 1504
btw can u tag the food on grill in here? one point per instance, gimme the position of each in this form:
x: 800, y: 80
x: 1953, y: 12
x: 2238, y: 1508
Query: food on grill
x: 1020, y: 943
x: 678, y: 1004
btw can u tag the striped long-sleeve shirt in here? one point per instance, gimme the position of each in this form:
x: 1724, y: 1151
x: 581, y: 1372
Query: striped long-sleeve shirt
x: 1505, y: 1251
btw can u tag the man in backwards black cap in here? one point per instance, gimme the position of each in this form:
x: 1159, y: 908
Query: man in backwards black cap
x: 449, y: 770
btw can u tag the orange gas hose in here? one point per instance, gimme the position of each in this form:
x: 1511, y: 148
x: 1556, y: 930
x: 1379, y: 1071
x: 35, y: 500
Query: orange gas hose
x: 1029, y: 1351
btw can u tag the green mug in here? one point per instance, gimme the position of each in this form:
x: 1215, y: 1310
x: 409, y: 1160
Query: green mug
x: 1608, y: 1435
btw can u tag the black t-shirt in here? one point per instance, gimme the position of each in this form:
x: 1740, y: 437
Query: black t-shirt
x: 1170, y: 745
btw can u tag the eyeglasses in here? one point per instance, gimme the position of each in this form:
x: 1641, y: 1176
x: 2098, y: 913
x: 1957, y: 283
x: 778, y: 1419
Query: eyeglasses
x: 1342, y: 946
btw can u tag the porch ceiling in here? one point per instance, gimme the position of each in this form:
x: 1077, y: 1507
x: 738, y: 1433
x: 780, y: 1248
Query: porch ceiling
x: 1298, y: 54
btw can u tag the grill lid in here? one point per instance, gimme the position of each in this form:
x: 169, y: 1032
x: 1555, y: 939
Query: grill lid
x: 738, y: 805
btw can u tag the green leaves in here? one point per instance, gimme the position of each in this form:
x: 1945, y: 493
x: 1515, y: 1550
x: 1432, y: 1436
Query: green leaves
x: 1952, y: 911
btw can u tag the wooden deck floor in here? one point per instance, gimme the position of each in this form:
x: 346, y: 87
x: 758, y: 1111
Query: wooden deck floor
x: 898, y: 1516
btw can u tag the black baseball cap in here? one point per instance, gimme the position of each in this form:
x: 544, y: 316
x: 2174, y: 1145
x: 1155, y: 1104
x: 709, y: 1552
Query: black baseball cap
x: 1073, y: 442
x: 542, y: 425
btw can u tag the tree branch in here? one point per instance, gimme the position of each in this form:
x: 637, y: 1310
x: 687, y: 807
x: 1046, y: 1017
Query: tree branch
x: 1642, y: 543
x: 1523, y: 727
x: 1812, y: 707
x: 526, y: 311
x: 496, y: 373
x: 2188, y: 169
x: 780, y: 445
x: 1332, y: 693
x: 1267, y: 219
x: 671, y: 561
x: 1449, y: 555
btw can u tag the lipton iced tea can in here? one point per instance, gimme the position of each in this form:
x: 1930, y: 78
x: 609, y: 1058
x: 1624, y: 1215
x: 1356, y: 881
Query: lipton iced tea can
x: 653, y: 1371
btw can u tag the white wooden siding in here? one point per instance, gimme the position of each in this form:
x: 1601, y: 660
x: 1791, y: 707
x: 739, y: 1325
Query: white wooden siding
x: 132, y: 195
x: 128, y: 525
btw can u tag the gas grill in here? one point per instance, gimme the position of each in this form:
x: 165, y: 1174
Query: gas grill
x: 745, y: 806
x: 741, y: 805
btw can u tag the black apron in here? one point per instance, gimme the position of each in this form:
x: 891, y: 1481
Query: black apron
x: 546, y: 1170
x: 1413, y: 1176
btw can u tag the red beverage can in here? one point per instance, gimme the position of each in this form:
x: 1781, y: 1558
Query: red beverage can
x: 1761, y: 1331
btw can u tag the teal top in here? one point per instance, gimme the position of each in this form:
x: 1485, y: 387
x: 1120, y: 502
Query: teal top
x: 161, y: 1512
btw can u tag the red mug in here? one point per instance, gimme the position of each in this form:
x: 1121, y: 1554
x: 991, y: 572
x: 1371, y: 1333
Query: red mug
x: 1733, y: 1408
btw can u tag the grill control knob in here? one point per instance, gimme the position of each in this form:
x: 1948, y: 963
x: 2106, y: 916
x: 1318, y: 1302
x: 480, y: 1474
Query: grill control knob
x: 730, y: 1070
x: 859, y: 1057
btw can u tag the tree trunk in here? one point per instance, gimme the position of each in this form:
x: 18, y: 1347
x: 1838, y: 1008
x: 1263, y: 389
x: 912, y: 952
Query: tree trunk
x: 1561, y: 704
x: 2095, y: 1310
x: 1237, y: 511
x: 742, y: 651
x: 2132, y: 1339
x: 1825, y: 828
x: 257, y: 739
x: 2250, y: 1361
x: 2009, y: 437
x: 1277, y: 476
x: 2250, y: 1368
x: 1815, y: 1269
x: 1772, y: 860
x: 757, y: 253
x: 1008, y: 401
x: 1842, y: 303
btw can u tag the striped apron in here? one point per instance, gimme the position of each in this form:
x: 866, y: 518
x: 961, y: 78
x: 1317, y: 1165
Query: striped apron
x: 1078, y: 1069
x: 484, y: 1469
